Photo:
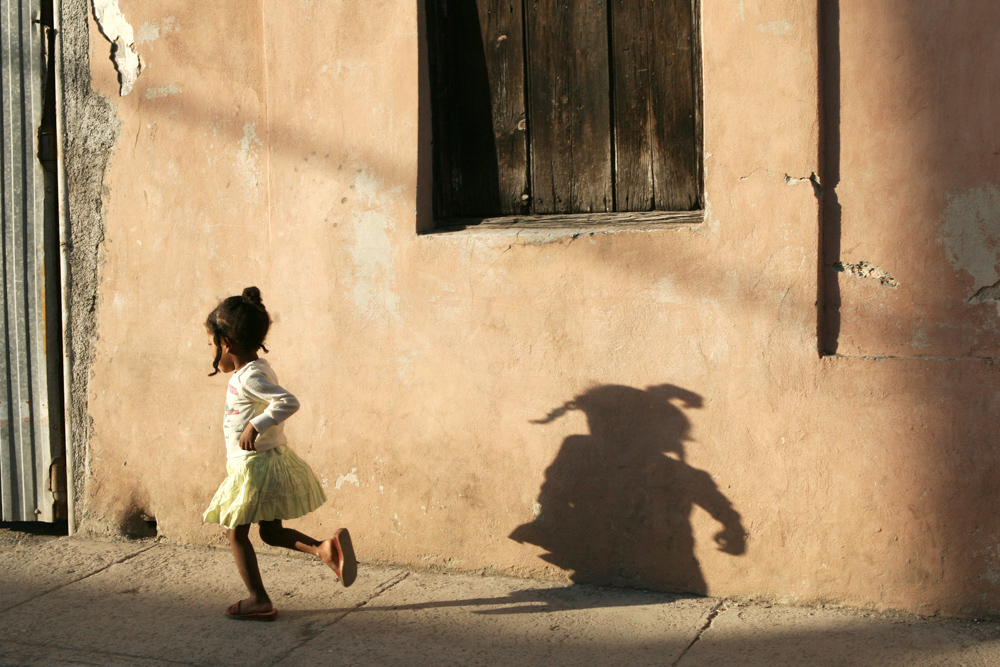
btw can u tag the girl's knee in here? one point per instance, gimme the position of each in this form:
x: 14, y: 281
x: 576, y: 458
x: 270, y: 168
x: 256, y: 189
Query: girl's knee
x: 238, y: 534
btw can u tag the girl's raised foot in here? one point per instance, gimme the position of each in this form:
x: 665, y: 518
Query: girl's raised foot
x: 338, y: 553
x: 248, y: 610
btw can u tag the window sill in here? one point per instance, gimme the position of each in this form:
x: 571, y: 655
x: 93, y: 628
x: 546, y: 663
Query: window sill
x: 571, y: 224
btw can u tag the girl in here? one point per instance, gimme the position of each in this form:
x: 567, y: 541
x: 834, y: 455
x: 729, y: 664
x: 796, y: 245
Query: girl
x: 267, y: 481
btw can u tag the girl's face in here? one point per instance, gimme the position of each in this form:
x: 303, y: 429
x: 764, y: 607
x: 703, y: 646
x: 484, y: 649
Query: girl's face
x: 227, y: 362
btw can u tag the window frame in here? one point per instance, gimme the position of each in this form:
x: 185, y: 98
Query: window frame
x: 601, y: 221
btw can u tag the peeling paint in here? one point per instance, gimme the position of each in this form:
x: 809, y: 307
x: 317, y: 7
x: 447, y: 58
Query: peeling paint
x: 812, y: 178
x: 119, y: 32
x: 986, y: 294
x: 350, y: 478
x: 971, y: 236
x: 374, y: 291
x: 774, y: 27
x: 867, y: 270
x: 165, y: 91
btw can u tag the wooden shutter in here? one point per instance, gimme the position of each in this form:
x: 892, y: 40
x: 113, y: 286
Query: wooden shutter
x: 569, y: 117
x: 656, y: 144
x: 564, y: 106
x: 503, y: 42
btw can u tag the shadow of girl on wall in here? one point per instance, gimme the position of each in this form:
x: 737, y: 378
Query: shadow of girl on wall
x: 616, y: 504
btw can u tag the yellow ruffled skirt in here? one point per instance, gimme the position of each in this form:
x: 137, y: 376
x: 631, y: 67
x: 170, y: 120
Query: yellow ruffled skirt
x: 273, y: 484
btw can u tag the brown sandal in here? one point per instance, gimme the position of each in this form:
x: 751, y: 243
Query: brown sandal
x: 234, y: 613
x: 341, y: 558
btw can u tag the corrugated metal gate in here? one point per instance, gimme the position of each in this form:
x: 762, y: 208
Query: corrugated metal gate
x: 30, y: 372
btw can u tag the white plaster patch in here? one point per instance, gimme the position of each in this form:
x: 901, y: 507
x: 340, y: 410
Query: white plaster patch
x: 119, y: 32
x: 971, y: 234
x: 248, y: 167
x: 775, y: 27
x: 150, y: 31
x: 404, y: 362
x: 350, y: 478
x: 712, y: 225
x: 119, y: 303
x: 368, y: 186
x: 374, y: 292
x: 741, y: 9
x: 397, y: 526
x: 339, y: 66
x: 665, y: 291
x: 165, y: 91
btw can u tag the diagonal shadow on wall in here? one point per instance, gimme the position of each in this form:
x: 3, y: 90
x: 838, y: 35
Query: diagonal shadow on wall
x: 616, y: 503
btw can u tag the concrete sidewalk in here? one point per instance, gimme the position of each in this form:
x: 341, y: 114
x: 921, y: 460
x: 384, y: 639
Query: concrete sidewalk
x: 65, y: 601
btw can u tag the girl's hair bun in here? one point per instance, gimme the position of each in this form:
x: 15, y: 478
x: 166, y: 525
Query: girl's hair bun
x: 242, y: 319
x: 252, y: 295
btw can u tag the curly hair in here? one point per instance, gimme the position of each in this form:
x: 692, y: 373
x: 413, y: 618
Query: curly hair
x: 242, y: 320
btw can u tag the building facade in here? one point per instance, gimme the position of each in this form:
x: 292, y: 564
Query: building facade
x: 788, y: 394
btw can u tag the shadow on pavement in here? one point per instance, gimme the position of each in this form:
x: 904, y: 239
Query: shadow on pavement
x: 12, y: 528
x: 543, y: 600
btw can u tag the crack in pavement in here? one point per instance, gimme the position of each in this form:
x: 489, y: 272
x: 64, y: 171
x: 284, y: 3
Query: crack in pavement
x: 79, y: 579
x: 379, y: 590
x: 76, y: 649
x: 716, y: 610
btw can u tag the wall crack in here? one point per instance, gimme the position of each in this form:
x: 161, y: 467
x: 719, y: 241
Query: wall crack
x: 86, y: 575
x: 382, y: 588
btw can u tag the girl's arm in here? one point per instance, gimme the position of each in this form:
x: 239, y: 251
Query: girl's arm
x: 282, y: 404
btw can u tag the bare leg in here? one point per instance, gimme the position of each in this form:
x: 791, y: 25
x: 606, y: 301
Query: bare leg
x: 246, y: 563
x: 273, y: 533
x: 337, y: 552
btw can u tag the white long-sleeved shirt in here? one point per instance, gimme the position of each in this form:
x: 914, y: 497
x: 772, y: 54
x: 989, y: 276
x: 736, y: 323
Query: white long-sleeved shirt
x: 254, y: 396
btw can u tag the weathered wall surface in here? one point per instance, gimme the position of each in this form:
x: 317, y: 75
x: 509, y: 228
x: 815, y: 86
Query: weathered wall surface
x: 90, y: 131
x: 920, y: 162
x: 622, y: 405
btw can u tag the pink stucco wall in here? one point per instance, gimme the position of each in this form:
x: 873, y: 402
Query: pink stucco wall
x: 285, y: 145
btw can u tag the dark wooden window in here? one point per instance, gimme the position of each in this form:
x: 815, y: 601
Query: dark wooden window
x: 547, y: 107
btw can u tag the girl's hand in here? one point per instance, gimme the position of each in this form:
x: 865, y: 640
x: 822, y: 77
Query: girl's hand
x: 248, y: 439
